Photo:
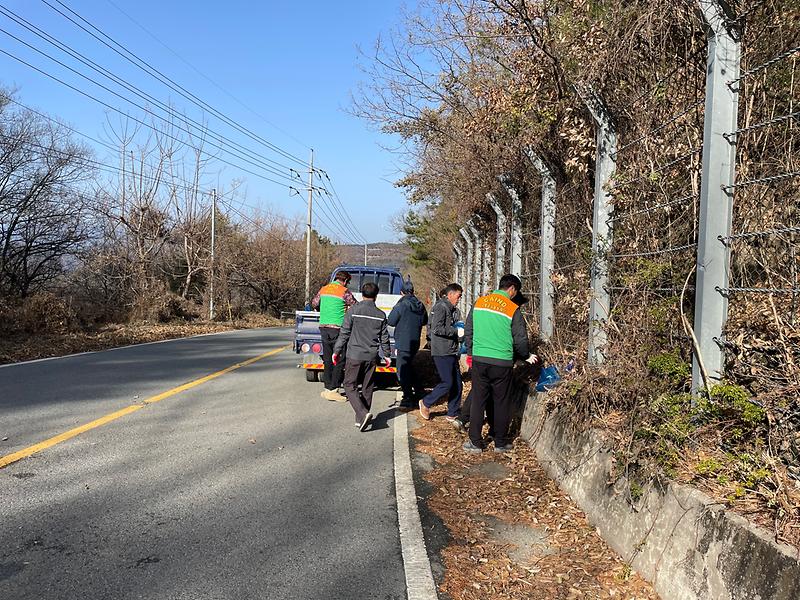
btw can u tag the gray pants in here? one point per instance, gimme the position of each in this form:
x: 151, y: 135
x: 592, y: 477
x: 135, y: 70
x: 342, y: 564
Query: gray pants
x: 355, y: 372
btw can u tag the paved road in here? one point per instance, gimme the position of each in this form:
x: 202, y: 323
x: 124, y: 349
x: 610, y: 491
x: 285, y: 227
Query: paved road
x: 247, y: 486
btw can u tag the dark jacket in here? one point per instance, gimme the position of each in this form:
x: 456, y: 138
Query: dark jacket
x: 408, y: 317
x: 443, y: 334
x: 519, y: 335
x: 364, y: 331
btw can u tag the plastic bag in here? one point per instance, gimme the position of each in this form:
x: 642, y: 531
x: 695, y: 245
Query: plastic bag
x: 548, y: 379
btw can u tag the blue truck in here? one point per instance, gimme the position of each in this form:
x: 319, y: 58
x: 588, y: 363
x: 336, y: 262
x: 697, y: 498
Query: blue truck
x: 307, y: 338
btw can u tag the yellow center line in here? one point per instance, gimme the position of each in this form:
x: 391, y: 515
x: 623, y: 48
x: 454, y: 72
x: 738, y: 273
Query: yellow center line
x: 62, y: 437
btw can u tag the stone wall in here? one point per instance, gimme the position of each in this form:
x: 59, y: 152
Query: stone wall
x: 687, y: 545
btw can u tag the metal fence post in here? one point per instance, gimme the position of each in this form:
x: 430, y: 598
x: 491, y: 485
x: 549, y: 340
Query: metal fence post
x: 477, y: 257
x: 548, y: 238
x: 500, y: 249
x: 602, y: 230
x: 516, y: 225
x: 466, y: 282
x: 456, y: 262
x: 716, y: 199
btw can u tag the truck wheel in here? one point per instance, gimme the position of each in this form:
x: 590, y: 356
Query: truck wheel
x: 312, y: 375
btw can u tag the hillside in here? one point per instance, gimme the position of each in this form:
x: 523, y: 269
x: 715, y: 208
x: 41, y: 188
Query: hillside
x: 380, y: 254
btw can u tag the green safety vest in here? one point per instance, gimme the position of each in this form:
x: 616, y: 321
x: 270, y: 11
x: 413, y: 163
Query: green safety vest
x: 491, y: 326
x: 331, y: 304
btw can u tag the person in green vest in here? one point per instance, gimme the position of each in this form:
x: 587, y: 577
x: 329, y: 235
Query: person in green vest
x: 332, y: 301
x: 495, y: 335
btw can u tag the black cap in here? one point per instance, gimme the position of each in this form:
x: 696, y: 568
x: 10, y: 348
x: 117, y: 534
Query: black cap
x: 520, y: 299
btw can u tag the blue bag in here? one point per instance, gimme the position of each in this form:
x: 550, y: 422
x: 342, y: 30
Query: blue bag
x: 548, y: 379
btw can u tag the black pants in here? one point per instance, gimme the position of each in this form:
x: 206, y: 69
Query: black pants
x: 355, y: 372
x: 407, y: 376
x: 333, y: 376
x: 466, y: 411
x: 490, y: 384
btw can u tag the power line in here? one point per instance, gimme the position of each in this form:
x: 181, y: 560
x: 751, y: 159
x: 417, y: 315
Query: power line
x: 357, y: 232
x: 153, y: 72
x: 52, y: 40
x: 206, y: 77
x: 117, y: 110
x: 170, y: 111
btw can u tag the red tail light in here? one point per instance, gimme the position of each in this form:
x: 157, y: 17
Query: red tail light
x: 317, y: 348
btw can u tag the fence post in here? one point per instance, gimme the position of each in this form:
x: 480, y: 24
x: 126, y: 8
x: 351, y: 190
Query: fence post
x: 466, y: 299
x: 477, y: 257
x: 500, y: 246
x: 516, y: 226
x: 456, y: 262
x: 547, y: 241
x: 602, y: 229
x: 716, y: 197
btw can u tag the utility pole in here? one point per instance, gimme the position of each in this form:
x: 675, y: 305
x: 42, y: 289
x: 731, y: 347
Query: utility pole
x: 308, y: 225
x: 211, y: 314
x: 365, y: 254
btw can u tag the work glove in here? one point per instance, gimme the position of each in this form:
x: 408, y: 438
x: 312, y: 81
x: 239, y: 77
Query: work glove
x: 387, y: 362
x: 335, y: 359
x: 533, y: 359
x: 460, y: 328
x: 469, y: 361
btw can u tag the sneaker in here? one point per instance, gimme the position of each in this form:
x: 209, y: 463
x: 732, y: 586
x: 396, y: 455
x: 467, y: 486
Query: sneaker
x: 456, y: 423
x: 333, y: 396
x: 424, y: 411
x: 365, y: 422
x: 471, y: 448
x: 358, y: 424
x: 503, y: 449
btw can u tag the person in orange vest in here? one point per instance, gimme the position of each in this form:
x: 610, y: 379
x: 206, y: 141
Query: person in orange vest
x: 495, y: 335
x: 333, y: 300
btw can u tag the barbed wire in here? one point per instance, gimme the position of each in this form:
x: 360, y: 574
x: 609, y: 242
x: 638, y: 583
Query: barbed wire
x: 773, y: 61
x: 749, y: 234
x: 661, y: 127
x: 731, y: 137
x: 763, y: 180
x: 660, y: 169
x: 748, y: 290
x: 657, y: 252
x: 629, y: 214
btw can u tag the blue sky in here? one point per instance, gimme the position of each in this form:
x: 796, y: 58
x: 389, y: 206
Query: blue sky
x: 295, y: 63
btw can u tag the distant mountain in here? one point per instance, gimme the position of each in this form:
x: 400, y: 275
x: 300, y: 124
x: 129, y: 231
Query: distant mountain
x: 382, y: 254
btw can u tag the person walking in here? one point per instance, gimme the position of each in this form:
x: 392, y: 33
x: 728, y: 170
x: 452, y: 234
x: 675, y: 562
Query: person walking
x: 333, y: 300
x: 495, y: 335
x: 446, y: 331
x: 408, y: 317
x: 365, y: 333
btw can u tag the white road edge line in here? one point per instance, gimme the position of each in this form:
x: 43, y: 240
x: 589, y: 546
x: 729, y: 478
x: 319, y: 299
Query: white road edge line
x: 179, y: 339
x: 417, y: 566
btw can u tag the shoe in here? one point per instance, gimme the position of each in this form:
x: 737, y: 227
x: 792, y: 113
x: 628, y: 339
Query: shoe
x: 471, y: 448
x: 456, y: 423
x: 365, y: 422
x: 358, y: 424
x: 503, y: 449
x: 333, y: 396
x: 424, y: 411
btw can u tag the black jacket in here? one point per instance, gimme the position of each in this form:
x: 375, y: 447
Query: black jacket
x: 364, y: 331
x: 519, y: 334
x: 443, y: 334
x: 408, y: 317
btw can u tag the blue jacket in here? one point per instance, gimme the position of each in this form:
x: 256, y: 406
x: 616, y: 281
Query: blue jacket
x: 408, y: 317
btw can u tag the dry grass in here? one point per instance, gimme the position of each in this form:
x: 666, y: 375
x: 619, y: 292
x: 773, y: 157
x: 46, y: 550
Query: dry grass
x: 570, y: 562
x: 23, y: 346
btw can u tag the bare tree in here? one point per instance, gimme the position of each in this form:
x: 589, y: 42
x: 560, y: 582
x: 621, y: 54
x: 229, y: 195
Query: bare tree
x: 42, y: 209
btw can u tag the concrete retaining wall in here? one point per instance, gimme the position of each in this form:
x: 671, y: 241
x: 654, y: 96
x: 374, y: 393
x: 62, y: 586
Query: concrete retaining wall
x: 676, y: 537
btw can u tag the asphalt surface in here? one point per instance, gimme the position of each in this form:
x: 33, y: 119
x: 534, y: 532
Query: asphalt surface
x: 247, y: 486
